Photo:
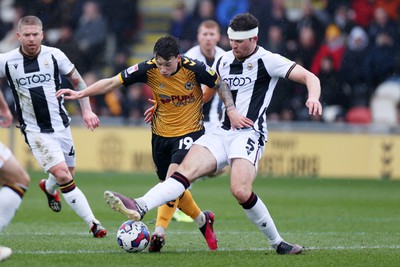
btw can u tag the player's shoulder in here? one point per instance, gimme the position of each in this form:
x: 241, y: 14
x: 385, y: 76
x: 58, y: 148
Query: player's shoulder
x: 192, y: 64
x: 51, y: 49
x: 142, y: 66
x: 10, y: 54
x: 193, y: 52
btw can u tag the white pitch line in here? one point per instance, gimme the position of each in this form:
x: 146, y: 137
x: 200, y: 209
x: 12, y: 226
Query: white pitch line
x: 337, y: 248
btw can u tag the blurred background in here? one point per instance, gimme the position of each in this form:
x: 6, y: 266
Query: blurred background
x: 353, y: 46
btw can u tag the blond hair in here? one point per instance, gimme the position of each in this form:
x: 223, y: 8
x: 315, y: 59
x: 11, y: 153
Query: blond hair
x: 29, y: 20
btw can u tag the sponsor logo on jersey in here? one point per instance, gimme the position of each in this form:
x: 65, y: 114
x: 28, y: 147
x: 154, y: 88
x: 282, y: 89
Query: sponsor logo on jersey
x: 177, y: 100
x: 237, y: 81
x: 33, y: 79
x: 132, y: 69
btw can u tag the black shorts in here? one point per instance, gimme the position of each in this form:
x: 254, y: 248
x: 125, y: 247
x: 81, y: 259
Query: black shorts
x: 167, y: 150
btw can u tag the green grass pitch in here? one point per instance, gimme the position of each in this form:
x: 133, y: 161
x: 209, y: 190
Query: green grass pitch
x: 340, y: 222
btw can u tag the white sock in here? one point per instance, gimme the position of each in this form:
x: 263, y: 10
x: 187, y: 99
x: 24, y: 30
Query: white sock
x: 78, y: 202
x: 200, y: 220
x: 51, y: 184
x: 161, y: 193
x: 159, y: 230
x: 9, y: 203
x: 260, y: 216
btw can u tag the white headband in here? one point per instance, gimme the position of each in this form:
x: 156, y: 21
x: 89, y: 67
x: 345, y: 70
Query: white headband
x: 241, y: 35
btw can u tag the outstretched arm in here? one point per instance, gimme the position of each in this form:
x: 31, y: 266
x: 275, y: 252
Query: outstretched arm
x: 301, y: 75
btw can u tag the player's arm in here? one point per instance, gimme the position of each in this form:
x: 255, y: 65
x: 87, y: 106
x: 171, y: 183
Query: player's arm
x: 237, y: 120
x: 90, y: 119
x: 208, y: 93
x: 301, y: 75
x: 102, y: 86
x: 5, y: 113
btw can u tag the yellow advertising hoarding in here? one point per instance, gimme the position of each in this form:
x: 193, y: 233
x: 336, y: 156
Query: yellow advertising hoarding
x: 310, y: 154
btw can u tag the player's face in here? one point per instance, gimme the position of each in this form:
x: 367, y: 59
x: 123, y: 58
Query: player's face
x: 243, y: 48
x: 30, y: 37
x: 167, y: 67
x: 208, y: 38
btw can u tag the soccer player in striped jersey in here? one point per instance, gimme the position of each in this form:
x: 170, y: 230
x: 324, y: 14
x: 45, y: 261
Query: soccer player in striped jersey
x: 251, y: 73
x: 13, y: 179
x: 33, y: 72
x: 175, y: 81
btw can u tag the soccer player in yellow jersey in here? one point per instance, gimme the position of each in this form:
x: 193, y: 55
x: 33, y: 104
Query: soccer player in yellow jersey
x: 177, y: 122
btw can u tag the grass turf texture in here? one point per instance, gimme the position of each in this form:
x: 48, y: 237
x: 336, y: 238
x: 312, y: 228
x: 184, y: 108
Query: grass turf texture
x: 340, y: 222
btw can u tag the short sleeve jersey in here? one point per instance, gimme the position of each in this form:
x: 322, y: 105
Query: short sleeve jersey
x: 252, y: 82
x: 34, y: 82
x: 179, y: 97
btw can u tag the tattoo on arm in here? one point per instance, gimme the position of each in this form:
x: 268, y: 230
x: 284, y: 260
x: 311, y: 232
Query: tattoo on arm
x: 77, y: 81
x: 225, y: 94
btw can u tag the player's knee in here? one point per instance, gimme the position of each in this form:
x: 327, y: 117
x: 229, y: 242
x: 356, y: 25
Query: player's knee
x: 241, y: 194
x: 61, y: 174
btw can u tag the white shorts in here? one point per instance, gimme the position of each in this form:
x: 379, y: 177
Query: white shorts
x: 49, y: 149
x: 210, y: 126
x: 226, y: 145
x: 5, y: 154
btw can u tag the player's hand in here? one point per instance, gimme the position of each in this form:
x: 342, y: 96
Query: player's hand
x: 6, y: 119
x: 238, y: 120
x: 68, y: 94
x: 90, y: 120
x: 148, y: 114
x: 314, y: 106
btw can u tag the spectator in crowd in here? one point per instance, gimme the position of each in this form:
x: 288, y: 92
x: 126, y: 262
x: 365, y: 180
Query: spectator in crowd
x: 275, y: 42
x: 363, y: 11
x: 305, y: 47
x: 356, y: 54
x: 343, y: 17
x: 332, y: 86
x: 381, y: 60
x: 383, y: 24
x: 333, y: 46
x: 310, y: 19
x: 91, y: 34
x: 204, y: 10
x: 124, y: 21
x: 69, y: 45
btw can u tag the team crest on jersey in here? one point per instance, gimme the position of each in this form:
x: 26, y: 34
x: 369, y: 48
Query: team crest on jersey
x: 189, y: 86
x: 210, y: 70
x: 15, y: 66
x: 249, y: 66
x: 132, y: 69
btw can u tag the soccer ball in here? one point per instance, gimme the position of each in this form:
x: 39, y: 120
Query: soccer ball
x: 133, y: 236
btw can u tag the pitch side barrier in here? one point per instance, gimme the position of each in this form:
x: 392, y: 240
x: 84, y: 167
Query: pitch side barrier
x: 294, y: 149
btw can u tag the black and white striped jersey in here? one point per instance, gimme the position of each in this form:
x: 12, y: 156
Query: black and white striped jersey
x: 211, y: 109
x: 252, y: 82
x: 34, y: 82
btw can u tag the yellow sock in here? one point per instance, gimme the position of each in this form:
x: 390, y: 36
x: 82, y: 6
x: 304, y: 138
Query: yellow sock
x: 165, y: 213
x: 188, y: 205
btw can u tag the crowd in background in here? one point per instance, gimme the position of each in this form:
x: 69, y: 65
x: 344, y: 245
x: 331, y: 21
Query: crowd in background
x: 351, y: 45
